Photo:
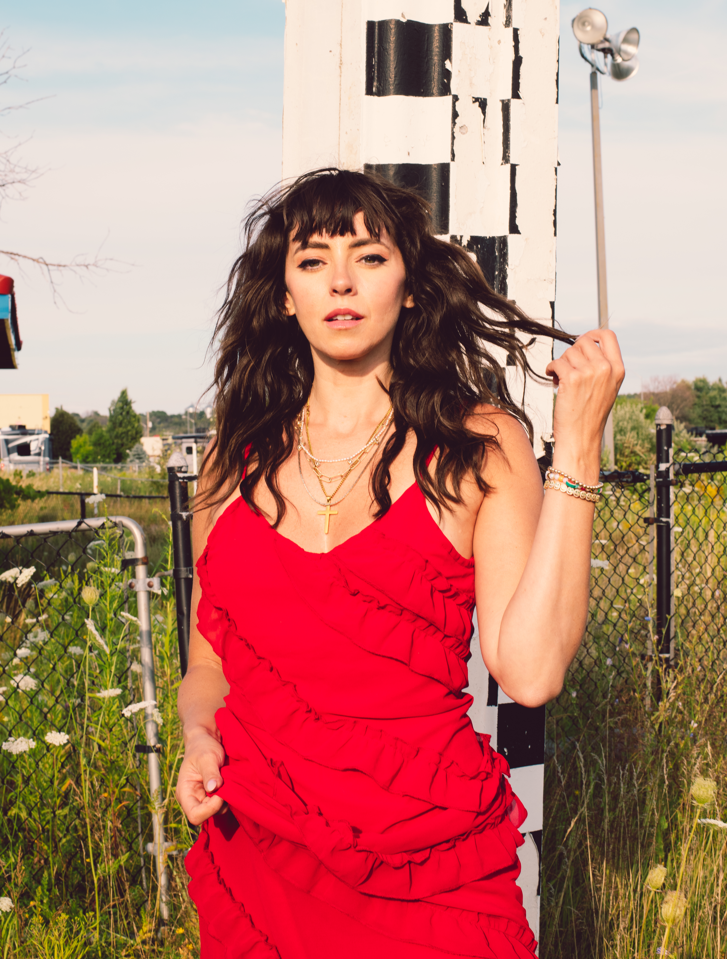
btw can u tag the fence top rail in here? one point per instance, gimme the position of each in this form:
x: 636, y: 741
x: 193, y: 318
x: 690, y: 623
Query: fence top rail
x: 77, y: 525
x: 80, y: 492
x: 684, y: 469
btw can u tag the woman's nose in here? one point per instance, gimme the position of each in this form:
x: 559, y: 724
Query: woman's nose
x: 342, y: 281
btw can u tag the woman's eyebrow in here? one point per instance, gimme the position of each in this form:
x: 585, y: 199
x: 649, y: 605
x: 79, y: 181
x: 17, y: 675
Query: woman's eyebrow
x: 322, y: 245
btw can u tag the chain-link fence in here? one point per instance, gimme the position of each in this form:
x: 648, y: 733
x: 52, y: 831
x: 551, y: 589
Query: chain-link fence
x: 78, y: 714
x: 659, y: 571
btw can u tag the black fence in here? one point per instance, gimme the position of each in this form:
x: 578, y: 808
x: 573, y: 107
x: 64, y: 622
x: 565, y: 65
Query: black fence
x: 659, y: 569
x: 78, y: 723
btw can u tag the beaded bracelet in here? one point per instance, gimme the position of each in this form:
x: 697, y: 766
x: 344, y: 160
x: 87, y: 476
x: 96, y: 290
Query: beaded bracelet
x: 556, y: 479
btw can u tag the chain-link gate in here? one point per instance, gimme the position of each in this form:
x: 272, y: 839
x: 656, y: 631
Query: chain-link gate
x: 659, y: 569
x: 78, y: 712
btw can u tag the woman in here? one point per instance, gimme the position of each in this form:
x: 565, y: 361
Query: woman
x: 372, y: 478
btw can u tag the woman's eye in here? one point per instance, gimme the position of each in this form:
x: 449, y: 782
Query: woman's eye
x: 373, y: 258
x: 309, y: 264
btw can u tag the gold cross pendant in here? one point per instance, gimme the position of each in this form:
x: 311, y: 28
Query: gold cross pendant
x: 327, y: 512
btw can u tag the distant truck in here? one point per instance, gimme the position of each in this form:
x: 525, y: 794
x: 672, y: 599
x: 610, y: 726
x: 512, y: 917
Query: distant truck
x: 25, y: 449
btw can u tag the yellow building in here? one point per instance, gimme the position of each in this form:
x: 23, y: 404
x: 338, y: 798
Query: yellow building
x: 30, y: 410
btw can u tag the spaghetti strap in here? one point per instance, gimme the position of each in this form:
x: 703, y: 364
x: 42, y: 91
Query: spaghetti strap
x: 431, y: 455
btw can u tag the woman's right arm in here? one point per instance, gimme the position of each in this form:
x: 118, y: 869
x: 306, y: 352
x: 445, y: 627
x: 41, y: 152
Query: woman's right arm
x: 201, y: 694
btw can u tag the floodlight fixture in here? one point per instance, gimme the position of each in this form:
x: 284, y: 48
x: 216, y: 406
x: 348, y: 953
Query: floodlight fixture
x: 613, y: 54
x: 625, y: 44
x: 590, y: 26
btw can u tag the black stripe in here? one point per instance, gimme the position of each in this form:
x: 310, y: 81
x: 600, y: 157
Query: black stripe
x: 408, y: 59
x: 491, y: 253
x: 455, y: 116
x: 492, y: 691
x: 460, y: 15
x: 513, y: 227
x: 555, y: 205
x: 506, y: 128
x: 430, y: 180
x: 508, y: 14
x: 517, y: 63
x: 537, y: 835
x: 521, y: 734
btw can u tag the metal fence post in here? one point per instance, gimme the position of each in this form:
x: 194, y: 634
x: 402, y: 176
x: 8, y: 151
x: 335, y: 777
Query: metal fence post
x: 182, y: 550
x: 664, y: 495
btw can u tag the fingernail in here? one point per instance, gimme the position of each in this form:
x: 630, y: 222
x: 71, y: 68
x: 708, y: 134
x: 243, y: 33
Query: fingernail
x: 211, y: 785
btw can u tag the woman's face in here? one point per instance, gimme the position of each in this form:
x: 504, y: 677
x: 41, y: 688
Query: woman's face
x: 347, y: 293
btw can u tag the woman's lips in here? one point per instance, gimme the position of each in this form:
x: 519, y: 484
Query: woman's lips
x: 343, y: 319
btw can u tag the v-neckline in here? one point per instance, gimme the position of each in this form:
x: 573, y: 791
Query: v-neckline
x: 364, y: 529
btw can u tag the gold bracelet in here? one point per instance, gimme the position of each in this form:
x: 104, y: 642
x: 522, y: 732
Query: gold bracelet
x: 556, y: 474
x: 578, y: 492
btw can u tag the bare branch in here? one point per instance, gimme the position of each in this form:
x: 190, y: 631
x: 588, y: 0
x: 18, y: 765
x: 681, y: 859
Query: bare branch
x: 80, y: 266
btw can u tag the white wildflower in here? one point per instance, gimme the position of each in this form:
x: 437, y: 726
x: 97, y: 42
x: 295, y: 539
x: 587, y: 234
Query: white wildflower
x: 157, y: 717
x: 703, y: 791
x: 56, y: 739
x: 25, y: 576
x: 24, y: 683
x: 609, y: 662
x: 714, y: 823
x: 3, y: 689
x: 136, y: 668
x: 10, y: 575
x: 90, y: 595
x: 16, y: 662
x: 19, y: 745
x: 46, y: 584
x: 37, y: 636
x: 130, y: 618
x: 108, y: 693
x: 109, y: 569
x: 96, y: 635
x: 656, y: 877
x: 135, y: 707
x: 693, y: 725
x: 96, y: 498
x: 23, y: 652
x: 6, y: 904
x: 76, y: 650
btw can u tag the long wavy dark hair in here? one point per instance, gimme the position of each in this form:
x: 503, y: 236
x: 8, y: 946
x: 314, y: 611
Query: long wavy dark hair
x: 442, y: 366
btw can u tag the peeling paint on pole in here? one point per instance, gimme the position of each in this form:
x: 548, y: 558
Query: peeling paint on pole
x: 456, y: 98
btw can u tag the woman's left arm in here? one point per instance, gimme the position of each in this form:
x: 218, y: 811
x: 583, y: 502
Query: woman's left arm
x: 533, y: 551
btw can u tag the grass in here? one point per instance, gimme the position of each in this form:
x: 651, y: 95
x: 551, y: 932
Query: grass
x: 75, y: 817
x: 152, y: 515
x: 618, y: 777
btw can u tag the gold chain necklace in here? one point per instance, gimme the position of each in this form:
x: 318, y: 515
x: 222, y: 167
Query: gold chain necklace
x: 353, y: 462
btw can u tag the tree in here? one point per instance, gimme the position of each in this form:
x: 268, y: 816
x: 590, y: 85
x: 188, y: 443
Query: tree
x: 710, y: 403
x: 64, y: 427
x: 124, y: 426
x: 666, y: 391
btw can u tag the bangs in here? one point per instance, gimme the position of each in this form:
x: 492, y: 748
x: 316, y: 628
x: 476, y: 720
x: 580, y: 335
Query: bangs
x: 327, y: 202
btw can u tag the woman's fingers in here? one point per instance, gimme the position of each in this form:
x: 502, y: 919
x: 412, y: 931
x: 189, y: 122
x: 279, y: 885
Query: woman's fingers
x: 199, y: 778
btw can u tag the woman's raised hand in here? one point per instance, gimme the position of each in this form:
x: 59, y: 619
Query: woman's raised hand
x: 200, y: 777
x: 588, y: 377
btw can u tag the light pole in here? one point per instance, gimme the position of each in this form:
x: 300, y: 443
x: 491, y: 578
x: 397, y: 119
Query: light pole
x: 618, y: 55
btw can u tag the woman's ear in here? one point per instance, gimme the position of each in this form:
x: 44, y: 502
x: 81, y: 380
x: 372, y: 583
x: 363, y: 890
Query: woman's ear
x: 409, y: 301
x: 289, y: 305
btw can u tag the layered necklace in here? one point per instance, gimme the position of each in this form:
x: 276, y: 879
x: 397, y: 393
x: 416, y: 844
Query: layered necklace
x: 339, y: 479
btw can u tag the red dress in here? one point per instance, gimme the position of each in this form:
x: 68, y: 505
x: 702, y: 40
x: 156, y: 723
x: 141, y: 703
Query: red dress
x: 367, y: 817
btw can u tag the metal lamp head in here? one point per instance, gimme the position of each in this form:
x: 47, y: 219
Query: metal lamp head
x: 590, y: 26
x: 625, y: 44
x: 623, y: 69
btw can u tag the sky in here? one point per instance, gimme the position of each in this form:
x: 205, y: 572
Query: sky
x: 154, y: 124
